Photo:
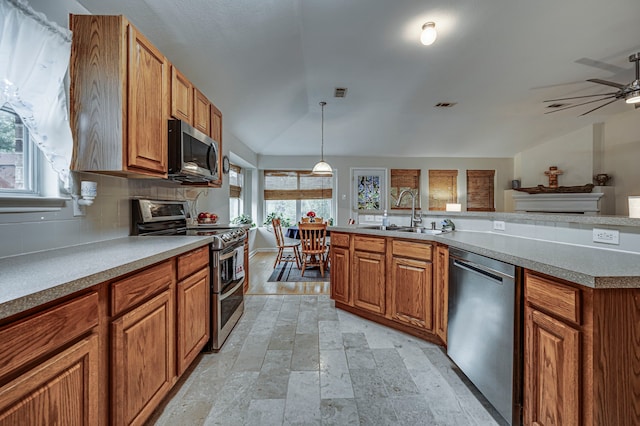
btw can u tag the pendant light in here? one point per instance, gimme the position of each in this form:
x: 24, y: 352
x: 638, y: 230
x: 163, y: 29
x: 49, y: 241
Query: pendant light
x: 429, y: 34
x: 322, y: 167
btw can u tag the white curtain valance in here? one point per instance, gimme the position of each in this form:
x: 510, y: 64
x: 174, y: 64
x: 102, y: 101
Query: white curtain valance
x: 34, y: 57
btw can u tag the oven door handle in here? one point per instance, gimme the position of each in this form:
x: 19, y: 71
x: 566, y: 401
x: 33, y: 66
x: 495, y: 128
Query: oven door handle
x: 225, y: 256
x: 233, y: 290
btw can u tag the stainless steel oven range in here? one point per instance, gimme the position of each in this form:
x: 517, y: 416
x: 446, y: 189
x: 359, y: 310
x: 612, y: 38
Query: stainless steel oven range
x: 226, y: 259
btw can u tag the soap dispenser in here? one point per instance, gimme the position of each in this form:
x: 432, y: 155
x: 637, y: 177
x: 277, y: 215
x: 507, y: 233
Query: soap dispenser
x: 385, y: 220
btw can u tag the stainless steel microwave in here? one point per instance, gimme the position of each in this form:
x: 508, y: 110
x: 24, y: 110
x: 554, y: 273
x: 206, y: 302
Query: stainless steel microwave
x: 193, y: 156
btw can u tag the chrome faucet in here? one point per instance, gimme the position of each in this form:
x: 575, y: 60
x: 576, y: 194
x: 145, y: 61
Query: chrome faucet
x: 414, y: 220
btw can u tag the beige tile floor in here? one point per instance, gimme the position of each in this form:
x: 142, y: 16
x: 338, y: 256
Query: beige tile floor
x: 294, y: 359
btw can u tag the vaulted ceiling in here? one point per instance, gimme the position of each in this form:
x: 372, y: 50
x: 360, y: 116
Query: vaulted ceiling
x: 268, y: 63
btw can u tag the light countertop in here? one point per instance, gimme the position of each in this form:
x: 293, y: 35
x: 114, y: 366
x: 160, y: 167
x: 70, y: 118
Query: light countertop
x: 33, y: 279
x: 591, y: 267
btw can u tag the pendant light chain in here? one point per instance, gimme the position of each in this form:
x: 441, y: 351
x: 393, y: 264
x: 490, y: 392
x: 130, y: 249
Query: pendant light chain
x: 322, y: 104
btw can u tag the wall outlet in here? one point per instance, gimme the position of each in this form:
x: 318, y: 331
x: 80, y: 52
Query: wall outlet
x: 606, y: 236
x: 499, y: 225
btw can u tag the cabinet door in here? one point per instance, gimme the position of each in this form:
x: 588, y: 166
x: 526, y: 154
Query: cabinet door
x: 411, y: 292
x: 369, y: 281
x: 552, y: 366
x: 147, y: 106
x: 181, y: 96
x: 62, y: 390
x: 340, y: 274
x: 441, y: 292
x: 216, y: 135
x: 142, y: 359
x: 194, y: 304
x: 201, y: 112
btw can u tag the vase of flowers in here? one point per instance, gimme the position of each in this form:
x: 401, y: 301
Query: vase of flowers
x: 311, y: 215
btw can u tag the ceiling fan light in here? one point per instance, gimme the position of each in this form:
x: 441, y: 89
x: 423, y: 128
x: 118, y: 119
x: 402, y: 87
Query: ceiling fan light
x: 632, y: 97
x: 322, y: 168
x: 429, y: 34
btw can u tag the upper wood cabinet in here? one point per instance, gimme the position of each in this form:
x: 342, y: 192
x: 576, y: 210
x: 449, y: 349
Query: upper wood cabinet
x: 119, y: 99
x: 181, y: 96
x: 201, y: 113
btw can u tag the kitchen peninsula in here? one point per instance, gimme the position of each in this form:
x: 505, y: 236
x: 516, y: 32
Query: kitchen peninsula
x: 581, y: 308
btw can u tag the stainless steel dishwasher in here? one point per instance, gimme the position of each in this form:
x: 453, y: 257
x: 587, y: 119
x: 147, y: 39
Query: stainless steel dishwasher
x: 484, y: 335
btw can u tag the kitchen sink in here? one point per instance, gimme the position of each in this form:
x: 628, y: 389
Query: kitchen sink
x: 414, y: 229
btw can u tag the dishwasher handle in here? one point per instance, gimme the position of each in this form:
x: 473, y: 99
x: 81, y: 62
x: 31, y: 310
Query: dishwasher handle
x: 485, y: 271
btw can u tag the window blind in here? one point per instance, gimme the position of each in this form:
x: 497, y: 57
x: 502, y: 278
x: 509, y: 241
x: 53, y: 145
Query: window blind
x: 296, y: 185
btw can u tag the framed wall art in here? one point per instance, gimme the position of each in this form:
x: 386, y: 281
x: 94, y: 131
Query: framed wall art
x: 369, y: 189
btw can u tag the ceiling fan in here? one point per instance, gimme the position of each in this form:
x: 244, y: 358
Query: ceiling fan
x: 629, y: 92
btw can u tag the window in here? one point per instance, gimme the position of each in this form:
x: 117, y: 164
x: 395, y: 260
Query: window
x: 480, y: 189
x: 402, y: 179
x: 291, y: 194
x: 17, y: 159
x: 236, y: 181
x: 443, y: 188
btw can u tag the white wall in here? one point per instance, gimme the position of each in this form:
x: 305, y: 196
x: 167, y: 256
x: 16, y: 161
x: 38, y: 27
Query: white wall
x: 571, y: 153
x: 622, y: 156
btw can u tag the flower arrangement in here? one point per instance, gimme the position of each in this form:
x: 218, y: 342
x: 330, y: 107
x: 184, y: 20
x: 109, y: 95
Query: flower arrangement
x: 311, y: 214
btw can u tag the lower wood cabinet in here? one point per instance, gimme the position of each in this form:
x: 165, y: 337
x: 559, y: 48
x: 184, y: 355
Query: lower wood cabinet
x: 142, y: 359
x: 552, y: 371
x: 340, y: 268
x: 441, y: 292
x: 411, y: 292
x: 194, y: 305
x: 62, y: 390
x: 368, y: 280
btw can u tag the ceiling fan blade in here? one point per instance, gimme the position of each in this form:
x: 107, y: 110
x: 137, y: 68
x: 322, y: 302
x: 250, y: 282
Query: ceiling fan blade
x: 578, y: 97
x: 584, y: 103
x: 607, y: 83
x: 598, y: 107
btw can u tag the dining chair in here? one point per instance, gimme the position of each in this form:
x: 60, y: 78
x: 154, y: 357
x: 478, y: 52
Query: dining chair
x: 305, y: 220
x: 285, y: 244
x: 313, y: 245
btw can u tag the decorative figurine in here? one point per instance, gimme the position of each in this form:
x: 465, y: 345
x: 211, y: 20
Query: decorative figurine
x: 553, y: 174
x: 602, y: 179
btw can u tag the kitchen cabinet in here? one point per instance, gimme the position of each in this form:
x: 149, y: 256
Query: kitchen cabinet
x: 410, y: 283
x: 119, y: 92
x: 143, y: 346
x: 216, y: 135
x: 49, y: 366
x: 581, y: 357
x: 552, y: 354
x: 441, y: 292
x: 340, y: 262
x: 181, y: 96
x: 201, y: 113
x: 368, y: 273
x: 193, y: 308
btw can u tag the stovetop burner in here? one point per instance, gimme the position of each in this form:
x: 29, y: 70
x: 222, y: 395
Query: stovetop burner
x: 164, y: 218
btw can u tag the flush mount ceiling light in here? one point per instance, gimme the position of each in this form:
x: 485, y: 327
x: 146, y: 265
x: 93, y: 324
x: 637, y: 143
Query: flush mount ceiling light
x: 322, y: 167
x: 429, y: 33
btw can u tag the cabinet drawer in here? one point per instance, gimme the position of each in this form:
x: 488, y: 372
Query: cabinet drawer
x: 372, y: 244
x: 553, y: 297
x: 341, y: 240
x: 193, y: 261
x: 132, y: 290
x: 44, y: 332
x: 411, y: 249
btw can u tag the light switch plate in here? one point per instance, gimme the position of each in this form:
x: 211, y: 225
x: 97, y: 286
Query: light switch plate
x: 606, y: 236
x: 499, y: 225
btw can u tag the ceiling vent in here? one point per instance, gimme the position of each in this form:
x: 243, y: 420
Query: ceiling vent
x: 557, y: 105
x: 445, y: 104
x: 340, y: 92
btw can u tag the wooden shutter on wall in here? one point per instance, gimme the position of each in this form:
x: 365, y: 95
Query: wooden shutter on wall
x: 235, y: 181
x: 443, y: 188
x: 402, y: 179
x: 296, y: 185
x: 480, y: 190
